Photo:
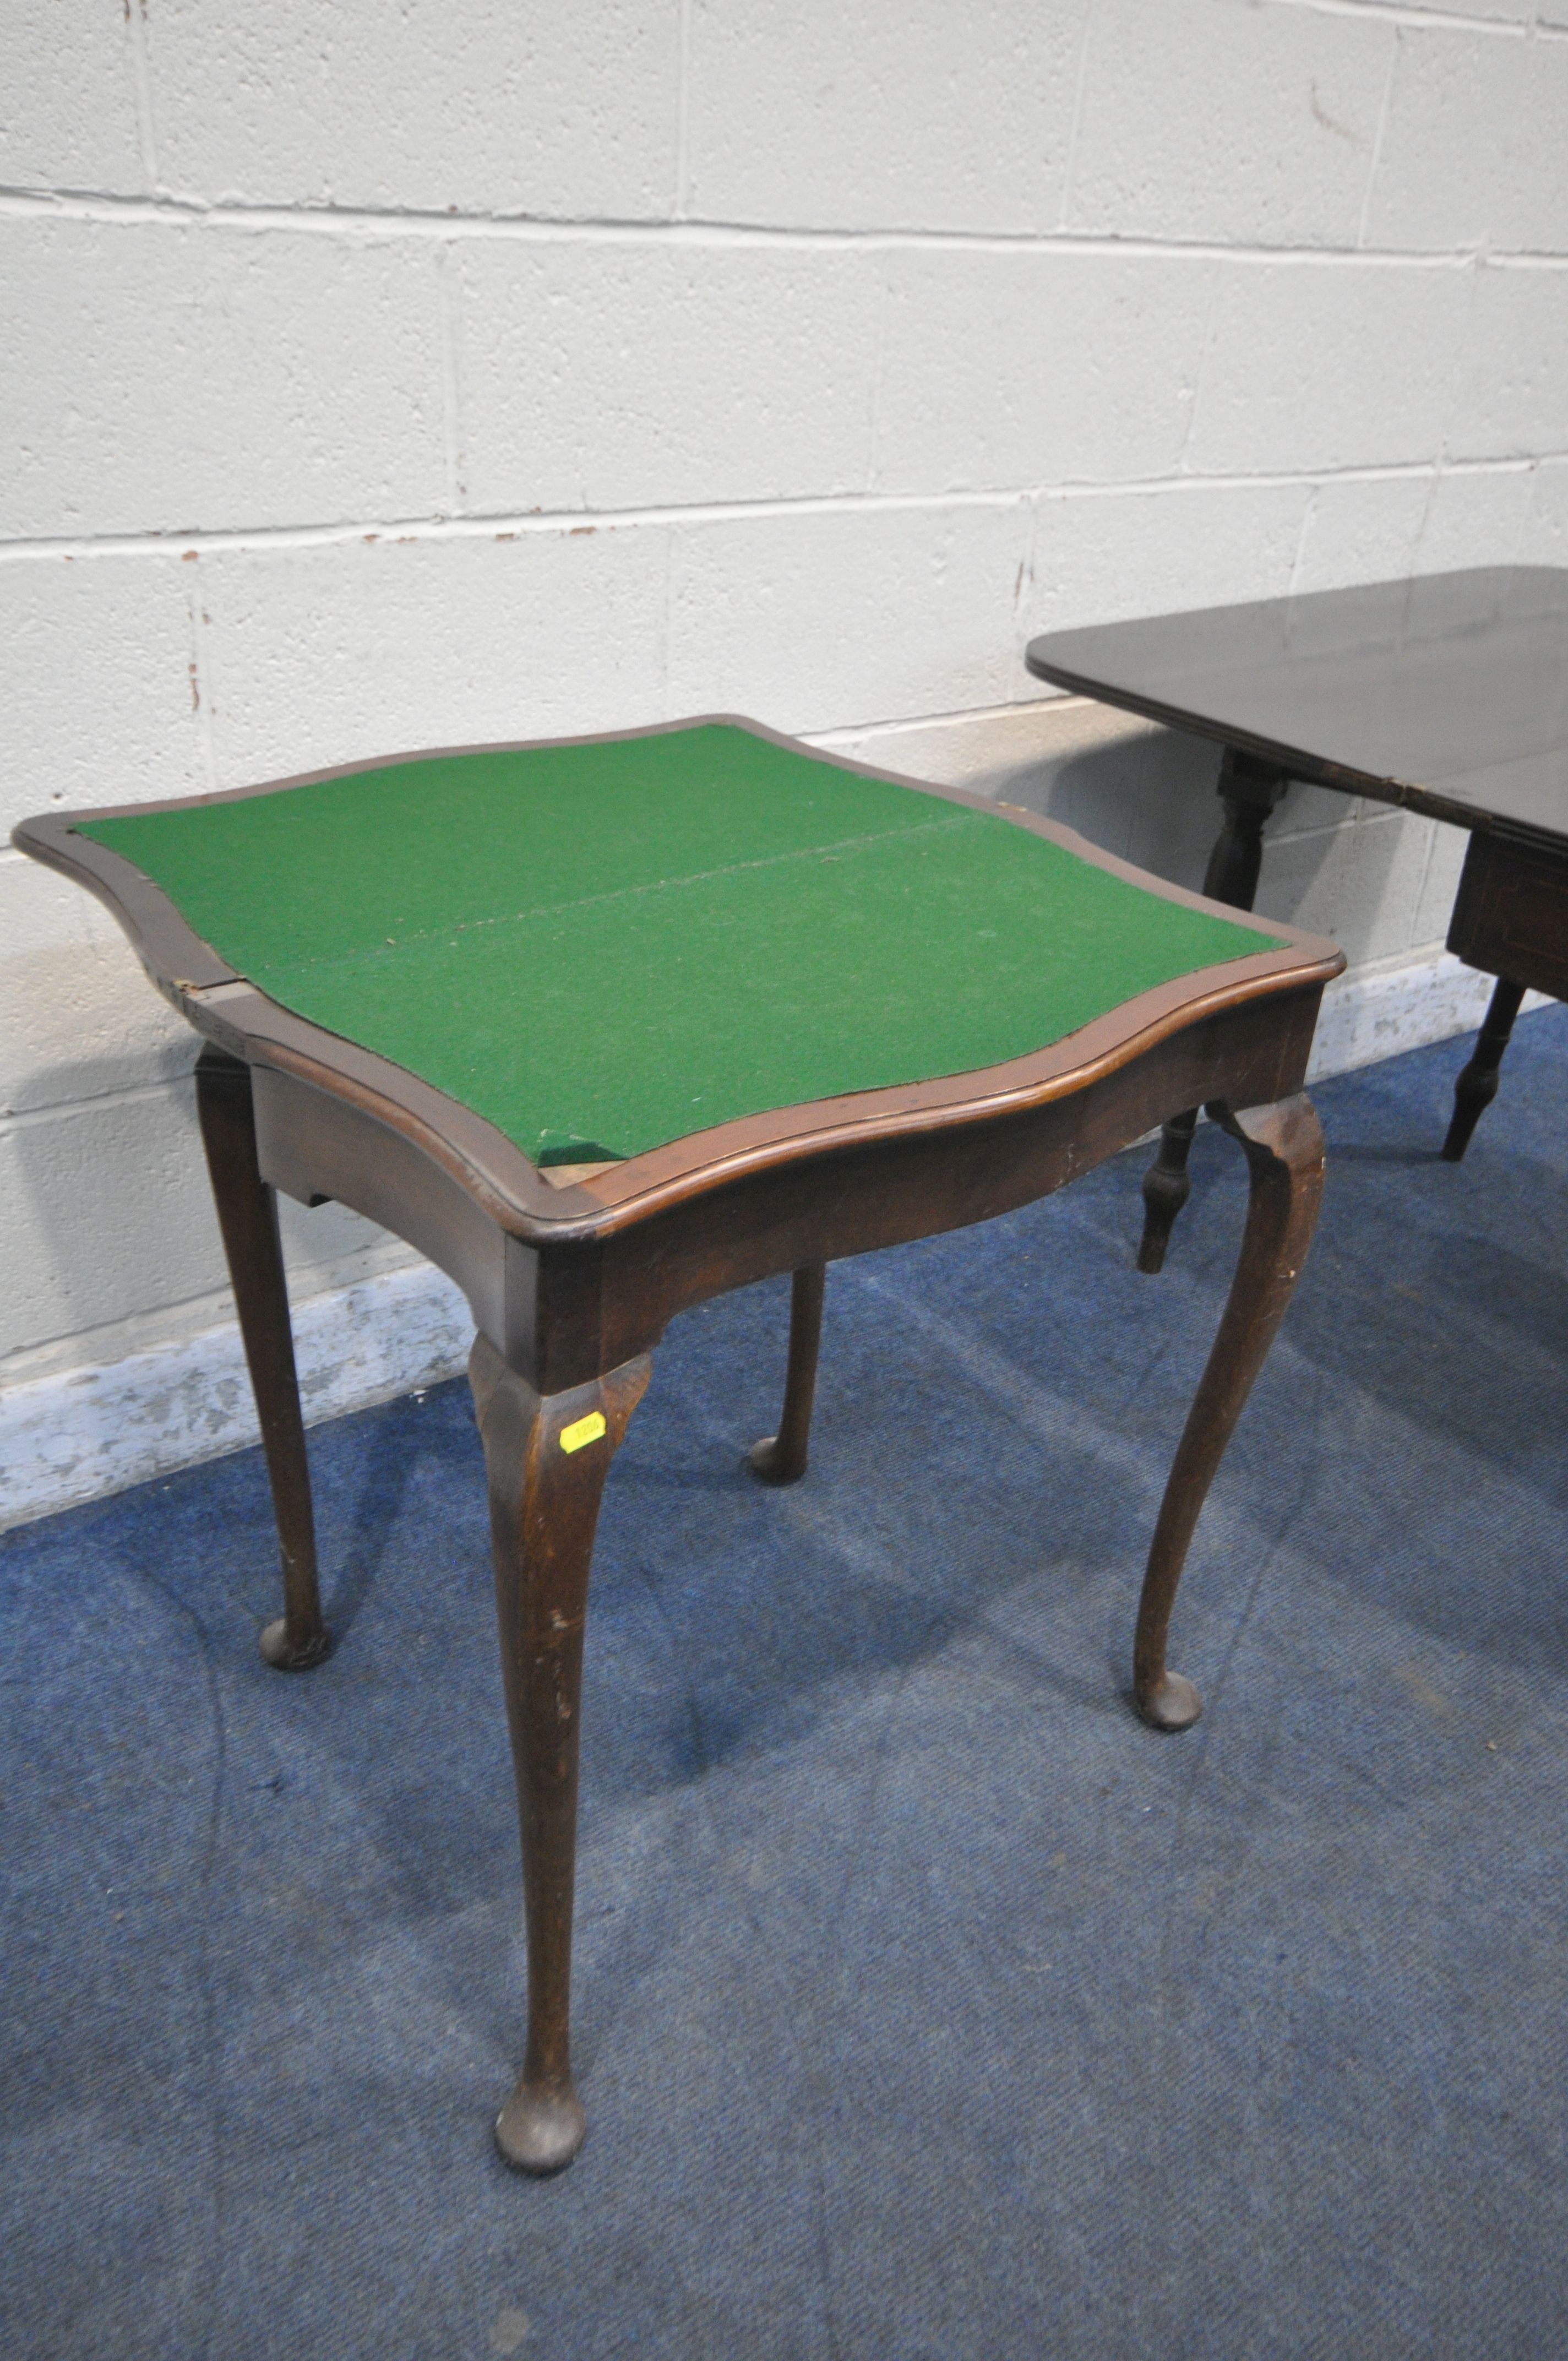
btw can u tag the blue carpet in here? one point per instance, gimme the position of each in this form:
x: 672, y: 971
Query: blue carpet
x: 927, y: 2005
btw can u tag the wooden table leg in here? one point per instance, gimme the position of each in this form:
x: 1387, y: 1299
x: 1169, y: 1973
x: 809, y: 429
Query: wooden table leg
x: 1248, y: 790
x: 1167, y: 1187
x: 546, y: 1458
x: 1284, y: 1149
x: 248, y: 1216
x: 781, y: 1458
x: 1478, y: 1084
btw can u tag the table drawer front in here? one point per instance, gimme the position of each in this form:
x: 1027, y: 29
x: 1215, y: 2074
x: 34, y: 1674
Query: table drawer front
x: 1510, y: 917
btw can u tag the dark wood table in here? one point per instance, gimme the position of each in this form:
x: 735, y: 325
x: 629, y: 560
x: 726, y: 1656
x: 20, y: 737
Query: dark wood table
x: 608, y: 1026
x: 1448, y: 695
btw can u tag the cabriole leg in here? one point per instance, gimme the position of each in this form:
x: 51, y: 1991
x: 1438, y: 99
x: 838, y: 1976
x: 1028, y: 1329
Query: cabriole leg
x: 547, y: 1459
x: 781, y: 1458
x: 248, y: 1216
x: 1478, y: 1084
x: 1284, y: 1149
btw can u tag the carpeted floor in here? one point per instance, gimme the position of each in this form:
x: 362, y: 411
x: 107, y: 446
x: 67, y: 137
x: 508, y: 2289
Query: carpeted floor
x: 927, y: 2005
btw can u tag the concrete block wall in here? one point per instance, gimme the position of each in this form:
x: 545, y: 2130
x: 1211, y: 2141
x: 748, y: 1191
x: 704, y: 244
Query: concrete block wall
x: 479, y: 367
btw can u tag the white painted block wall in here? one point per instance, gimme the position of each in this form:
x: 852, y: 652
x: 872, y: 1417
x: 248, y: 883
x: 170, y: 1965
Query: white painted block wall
x: 482, y: 367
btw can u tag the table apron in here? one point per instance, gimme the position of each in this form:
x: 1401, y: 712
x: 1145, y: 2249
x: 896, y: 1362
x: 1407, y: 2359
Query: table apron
x: 1510, y: 915
x: 854, y: 1200
x: 313, y: 1144
x: 561, y: 1314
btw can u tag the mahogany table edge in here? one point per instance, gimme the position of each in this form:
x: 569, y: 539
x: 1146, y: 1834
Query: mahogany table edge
x: 571, y: 1288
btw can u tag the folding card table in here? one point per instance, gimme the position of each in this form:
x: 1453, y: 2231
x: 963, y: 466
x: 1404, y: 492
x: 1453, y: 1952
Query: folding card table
x: 608, y: 1026
x: 1447, y: 694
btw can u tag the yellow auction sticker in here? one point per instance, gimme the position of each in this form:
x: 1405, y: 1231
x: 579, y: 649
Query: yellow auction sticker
x: 582, y: 1430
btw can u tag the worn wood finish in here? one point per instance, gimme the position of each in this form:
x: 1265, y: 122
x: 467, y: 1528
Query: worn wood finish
x: 1284, y: 1149
x: 781, y: 1458
x: 248, y: 1217
x: 572, y: 1281
x: 547, y: 1459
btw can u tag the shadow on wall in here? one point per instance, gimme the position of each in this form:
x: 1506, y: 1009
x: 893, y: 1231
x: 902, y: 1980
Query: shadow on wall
x: 1149, y: 794
x: 114, y: 1225
x: 1144, y: 793
x: 110, y: 1211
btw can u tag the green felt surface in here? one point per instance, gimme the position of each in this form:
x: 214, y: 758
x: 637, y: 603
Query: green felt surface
x: 600, y: 948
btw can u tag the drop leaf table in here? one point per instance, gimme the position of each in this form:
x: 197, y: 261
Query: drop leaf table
x: 1446, y: 694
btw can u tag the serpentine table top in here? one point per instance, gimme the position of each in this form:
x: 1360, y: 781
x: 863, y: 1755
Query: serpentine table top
x: 608, y: 1026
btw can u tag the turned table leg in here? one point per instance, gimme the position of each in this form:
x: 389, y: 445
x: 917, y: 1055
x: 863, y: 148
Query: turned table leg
x: 781, y: 1458
x: 546, y: 1458
x: 1248, y: 790
x: 1284, y: 1149
x: 1478, y: 1084
x: 248, y: 1217
x: 1167, y: 1187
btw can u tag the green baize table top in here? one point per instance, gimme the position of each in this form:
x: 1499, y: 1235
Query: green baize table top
x: 603, y: 945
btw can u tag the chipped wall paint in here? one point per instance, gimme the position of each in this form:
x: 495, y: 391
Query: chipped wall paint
x: 81, y: 1432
